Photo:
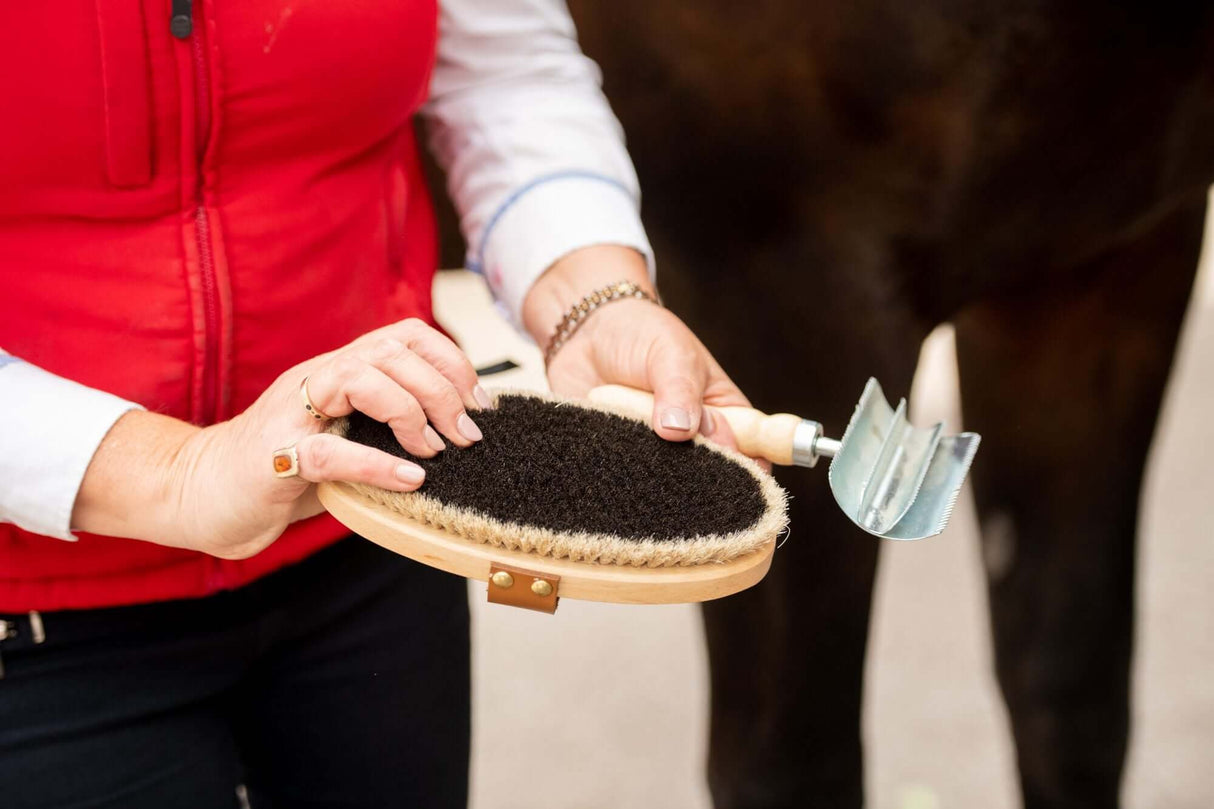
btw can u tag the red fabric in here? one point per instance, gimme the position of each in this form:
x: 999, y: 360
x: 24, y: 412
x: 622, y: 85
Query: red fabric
x: 183, y: 220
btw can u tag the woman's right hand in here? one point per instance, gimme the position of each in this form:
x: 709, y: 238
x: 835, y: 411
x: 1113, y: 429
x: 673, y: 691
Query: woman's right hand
x: 215, y: 490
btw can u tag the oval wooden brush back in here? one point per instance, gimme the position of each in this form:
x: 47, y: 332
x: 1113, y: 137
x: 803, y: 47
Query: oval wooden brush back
x: 577, y: 491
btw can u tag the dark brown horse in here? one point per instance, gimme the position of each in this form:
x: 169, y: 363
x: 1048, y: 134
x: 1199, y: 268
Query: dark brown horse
x: 825, y: 182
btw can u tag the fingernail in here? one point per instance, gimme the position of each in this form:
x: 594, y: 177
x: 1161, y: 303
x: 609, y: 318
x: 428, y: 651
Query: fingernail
x: 433, y: 440
x: 410, y: 473
x: 707, y: 425
x: 482, y: 398
x: 467, y: 428
x: 676, y: 418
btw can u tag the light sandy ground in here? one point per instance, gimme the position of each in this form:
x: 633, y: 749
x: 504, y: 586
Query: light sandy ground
x: 604, y: 707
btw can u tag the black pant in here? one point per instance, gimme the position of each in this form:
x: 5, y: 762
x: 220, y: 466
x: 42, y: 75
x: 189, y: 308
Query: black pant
x: 340, y: 682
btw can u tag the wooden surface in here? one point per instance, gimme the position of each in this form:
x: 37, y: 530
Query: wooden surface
x: 617, y: 584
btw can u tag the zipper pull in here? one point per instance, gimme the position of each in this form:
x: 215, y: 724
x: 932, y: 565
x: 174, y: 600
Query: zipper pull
x: 182, y: 23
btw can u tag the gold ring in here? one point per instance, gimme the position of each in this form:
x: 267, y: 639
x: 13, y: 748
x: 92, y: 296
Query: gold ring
x: 314, y: 411
x: 286, y: 462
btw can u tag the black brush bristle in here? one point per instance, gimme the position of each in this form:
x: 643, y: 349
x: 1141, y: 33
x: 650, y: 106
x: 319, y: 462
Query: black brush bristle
x: 569, y: 468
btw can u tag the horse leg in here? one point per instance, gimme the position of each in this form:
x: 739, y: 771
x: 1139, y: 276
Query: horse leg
x: 1065, y: 386
x: 787, y: 657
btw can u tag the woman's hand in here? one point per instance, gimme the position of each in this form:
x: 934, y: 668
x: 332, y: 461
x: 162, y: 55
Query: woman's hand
x: 215, y: 490
x: 630, y: 342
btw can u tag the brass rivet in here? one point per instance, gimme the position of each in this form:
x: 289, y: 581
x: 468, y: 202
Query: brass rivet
x: 541, y: 588
x: 502, y: 579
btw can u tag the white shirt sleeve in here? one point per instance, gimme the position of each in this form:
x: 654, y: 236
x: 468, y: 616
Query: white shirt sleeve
x: 50, y: 427
x: 535, y: 158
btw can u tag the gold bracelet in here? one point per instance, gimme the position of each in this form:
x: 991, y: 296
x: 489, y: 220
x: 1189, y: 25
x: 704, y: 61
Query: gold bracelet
x: 581, y: 310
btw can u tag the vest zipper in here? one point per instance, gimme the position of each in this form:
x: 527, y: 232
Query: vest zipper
x: 181, y: 25
x: 210, y: 302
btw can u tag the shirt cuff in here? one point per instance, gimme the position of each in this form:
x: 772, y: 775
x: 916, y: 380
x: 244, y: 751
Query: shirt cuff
x: 52, y: 428
x: 546, y: 219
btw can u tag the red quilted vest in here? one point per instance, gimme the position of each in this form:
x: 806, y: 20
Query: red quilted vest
x: 186, y: 213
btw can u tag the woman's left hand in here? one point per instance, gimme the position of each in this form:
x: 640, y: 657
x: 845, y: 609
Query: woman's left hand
x: 630, y: 342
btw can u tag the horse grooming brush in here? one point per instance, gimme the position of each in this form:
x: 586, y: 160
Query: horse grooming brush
x: 891, y: 479
x: 575, y: 500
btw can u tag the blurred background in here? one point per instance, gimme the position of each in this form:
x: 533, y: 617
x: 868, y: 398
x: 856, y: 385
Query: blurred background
x: 606, y: 706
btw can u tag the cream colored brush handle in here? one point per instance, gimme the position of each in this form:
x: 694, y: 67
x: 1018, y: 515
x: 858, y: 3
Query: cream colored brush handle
x: 759, y: 435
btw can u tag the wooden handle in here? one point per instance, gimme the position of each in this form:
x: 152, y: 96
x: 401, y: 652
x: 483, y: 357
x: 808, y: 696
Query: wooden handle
x: 759, y: 435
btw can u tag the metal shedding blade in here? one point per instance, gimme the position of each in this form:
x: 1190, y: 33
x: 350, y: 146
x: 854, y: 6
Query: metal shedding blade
x: 895, y: 480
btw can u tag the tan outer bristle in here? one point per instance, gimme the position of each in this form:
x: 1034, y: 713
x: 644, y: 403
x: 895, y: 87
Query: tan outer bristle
x: 593, y: 547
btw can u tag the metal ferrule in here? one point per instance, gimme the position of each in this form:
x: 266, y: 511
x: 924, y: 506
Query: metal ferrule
x: 805, y: 442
